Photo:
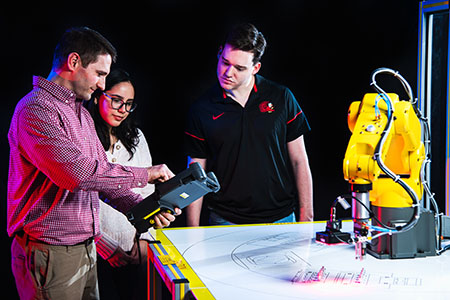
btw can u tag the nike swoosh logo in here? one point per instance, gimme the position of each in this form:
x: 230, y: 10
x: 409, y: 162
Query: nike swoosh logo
x: 216, y: 117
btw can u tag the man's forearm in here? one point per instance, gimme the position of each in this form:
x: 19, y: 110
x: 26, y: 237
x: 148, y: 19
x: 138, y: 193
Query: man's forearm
x: 193, y: 212
x: 303, y: 180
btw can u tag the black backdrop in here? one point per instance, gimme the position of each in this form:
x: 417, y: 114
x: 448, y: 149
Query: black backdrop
x: 324, y: 51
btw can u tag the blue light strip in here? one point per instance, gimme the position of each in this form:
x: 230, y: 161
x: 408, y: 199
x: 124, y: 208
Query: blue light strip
x: 434, y: 5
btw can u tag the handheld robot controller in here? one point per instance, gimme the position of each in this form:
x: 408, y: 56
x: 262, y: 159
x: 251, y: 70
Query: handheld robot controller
x: 179, y: 191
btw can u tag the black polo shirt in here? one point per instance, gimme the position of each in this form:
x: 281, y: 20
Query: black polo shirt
x: 246, y: 147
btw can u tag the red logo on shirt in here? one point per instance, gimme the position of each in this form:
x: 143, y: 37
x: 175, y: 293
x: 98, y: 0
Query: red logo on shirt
x: 266, y: 106
x: 216, y: 117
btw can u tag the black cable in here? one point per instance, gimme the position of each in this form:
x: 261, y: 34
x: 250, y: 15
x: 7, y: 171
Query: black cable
x: 443, y: 250
x: 371, y: 214
x: 138, y: 247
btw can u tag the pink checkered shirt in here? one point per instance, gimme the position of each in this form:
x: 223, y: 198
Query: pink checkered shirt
x: 58, y: 167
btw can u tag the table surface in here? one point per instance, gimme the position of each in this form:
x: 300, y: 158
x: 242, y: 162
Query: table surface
x: 283, y: 261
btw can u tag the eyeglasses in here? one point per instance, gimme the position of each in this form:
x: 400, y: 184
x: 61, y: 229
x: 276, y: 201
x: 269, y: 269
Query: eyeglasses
x: 117, y: 103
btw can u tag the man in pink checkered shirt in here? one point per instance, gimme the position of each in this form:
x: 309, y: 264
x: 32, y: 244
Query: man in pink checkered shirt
x: 58, y: 168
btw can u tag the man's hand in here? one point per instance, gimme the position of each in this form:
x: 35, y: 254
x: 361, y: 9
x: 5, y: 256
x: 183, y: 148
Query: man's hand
x: 142, y: 248
x: 159, y: 173
x: 119, y: 258
x: 163, y: 219
x: 306, y: 214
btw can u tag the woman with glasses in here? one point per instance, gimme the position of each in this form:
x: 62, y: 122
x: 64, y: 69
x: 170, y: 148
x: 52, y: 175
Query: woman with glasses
x: 125, y: 144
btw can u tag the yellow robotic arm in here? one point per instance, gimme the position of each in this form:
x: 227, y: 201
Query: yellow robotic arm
x: 383, y: 165
x: 403, y: 151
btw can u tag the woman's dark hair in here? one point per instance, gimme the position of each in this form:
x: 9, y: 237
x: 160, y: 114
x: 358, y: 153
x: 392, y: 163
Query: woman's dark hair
x: 127, y: 131
x: 88, y: 43
x: 246, y: 37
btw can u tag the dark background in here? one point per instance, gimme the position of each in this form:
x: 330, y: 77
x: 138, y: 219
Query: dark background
x: 324, y: 51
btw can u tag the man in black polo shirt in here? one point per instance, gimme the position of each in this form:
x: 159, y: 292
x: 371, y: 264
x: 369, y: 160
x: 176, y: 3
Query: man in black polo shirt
x: 249, y: 132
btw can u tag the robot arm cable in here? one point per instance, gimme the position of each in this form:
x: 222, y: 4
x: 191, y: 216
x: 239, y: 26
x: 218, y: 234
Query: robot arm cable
x: 397, y: 75
x: 379, y: 147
